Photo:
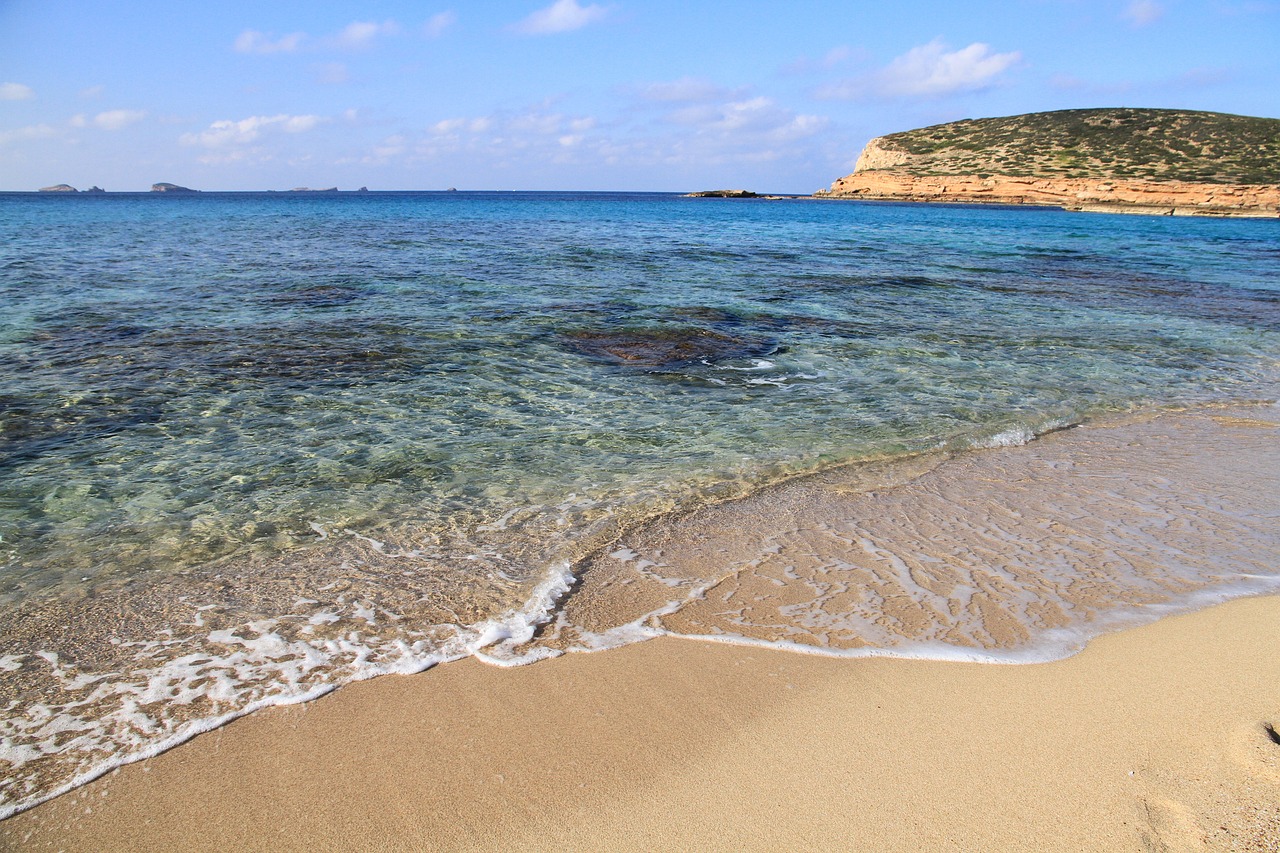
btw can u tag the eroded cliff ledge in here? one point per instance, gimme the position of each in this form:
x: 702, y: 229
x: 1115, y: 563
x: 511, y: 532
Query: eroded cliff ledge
x: 1169, y: 162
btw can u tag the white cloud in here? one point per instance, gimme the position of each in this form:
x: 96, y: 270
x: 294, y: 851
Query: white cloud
x: 227, y: 133
x: 686, y: 89
x: 35, y: 131
x: 454, y: 126
x: 252, y: 41
x: 1142, y: 13
x: 360, y: 35
x: 755, y: 118
x: 929, y: 70
x: 15, y: 92
x: 561, y: 17
x: 118, y: 119
x: 357, y: 35
x: 437, y: 24
x: 93, y: 92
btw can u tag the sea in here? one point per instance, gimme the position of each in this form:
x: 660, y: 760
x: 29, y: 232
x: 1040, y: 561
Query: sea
x: 254, y: 446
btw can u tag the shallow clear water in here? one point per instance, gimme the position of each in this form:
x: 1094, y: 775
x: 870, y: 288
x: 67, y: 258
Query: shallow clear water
x: 187, y: 377
x: 317, y: 406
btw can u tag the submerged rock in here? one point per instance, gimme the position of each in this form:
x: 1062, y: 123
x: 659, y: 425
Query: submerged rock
x: 663, y: 348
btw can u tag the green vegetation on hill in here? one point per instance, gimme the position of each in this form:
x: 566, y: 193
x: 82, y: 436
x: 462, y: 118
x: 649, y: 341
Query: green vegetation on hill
x: 1142, y: 144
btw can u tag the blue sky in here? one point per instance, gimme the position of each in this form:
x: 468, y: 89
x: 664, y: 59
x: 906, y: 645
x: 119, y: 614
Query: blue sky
x: 575, y: 94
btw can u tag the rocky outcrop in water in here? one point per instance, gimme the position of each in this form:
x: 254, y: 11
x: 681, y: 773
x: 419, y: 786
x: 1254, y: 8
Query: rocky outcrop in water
x: 59, y: 188
x: 170, y: 188
x: 722, y: 194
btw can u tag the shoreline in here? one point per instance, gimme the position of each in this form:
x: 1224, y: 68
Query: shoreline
x: 1088, y: 195
x: 1015, y: 551
x: 672, y: 744
x: 1202, y: 464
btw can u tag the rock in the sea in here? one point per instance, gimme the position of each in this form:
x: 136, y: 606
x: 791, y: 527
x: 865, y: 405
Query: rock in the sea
x: 665, y: 348
x: 723, y: 194
x: 95, y: 189
x: 170, y: 188
x: 59, y: 188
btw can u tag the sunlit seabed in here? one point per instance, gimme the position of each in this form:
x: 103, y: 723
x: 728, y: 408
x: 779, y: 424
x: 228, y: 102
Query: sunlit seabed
x: 256, y: 445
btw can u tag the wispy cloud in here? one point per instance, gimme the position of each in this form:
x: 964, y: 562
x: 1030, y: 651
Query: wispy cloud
x: 110, y: 120
x: 15, y: 92
x: 228, y: 133
x: 331, y: 73
x: 686, y: 89
x: 361, y: 35
x: 929, y: 70
x: 1143, y: 13
x: 759, y: 115
x: 21, y: 134
x: 561, y: 17
x: 829, y: 61
x: 253, y: 41
x: 357, y: 35
x: 437, y: 24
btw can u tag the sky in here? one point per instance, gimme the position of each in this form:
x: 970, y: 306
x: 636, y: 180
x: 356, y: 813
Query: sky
x: 647, y: 95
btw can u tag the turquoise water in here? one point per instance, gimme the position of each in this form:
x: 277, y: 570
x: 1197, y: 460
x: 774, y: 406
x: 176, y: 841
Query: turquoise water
x: 189, y: 377
x: 436, y: 402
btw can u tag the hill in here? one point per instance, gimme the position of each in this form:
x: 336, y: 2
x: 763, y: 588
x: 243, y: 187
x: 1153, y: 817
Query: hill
x: 1114, y: 158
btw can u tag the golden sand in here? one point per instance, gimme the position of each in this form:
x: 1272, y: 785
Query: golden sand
x: 1151, y: 739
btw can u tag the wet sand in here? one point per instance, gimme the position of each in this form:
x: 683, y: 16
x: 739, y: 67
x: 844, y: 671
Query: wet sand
x: 1159, y: 737
x: 1153, y: 738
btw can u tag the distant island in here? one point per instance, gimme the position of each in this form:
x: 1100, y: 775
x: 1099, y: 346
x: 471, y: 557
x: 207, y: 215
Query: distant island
x: 171, y: 188
x: 67, y: 188
x: 1173, y: 162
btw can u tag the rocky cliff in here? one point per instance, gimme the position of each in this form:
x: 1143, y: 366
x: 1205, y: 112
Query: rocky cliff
x: 1120, y: 160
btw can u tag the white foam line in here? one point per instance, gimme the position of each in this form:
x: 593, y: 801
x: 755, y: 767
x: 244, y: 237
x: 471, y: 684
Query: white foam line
x: 1052, y: 645
x: 504, y: 632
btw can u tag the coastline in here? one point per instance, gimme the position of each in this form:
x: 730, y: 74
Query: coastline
x: 1164, y: 198
x: 1151, y: 738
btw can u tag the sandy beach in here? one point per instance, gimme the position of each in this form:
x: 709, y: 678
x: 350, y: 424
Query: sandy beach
x: 1157, y: 737
x: 1153, y: 738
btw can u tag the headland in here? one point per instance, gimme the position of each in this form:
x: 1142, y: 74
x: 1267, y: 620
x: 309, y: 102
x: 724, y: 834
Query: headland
x: 1120, y: 160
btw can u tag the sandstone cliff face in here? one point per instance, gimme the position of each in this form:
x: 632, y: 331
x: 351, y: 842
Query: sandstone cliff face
x: 878, y: 155
x: 1172, y: 198
x: 1109, y: 159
